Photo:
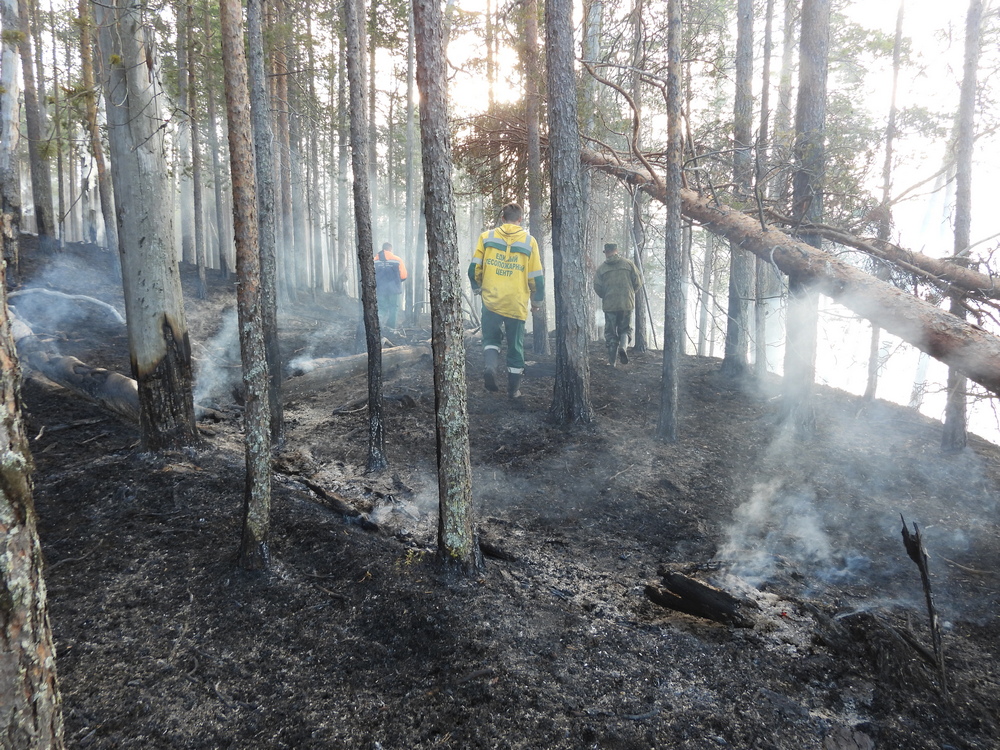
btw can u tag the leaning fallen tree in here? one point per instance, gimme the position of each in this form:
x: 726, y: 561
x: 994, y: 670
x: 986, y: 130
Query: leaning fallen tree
x: 943, y: 336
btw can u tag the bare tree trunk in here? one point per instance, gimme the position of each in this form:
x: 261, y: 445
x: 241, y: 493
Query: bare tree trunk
x: 885, y: 213
x: 86, y: 24
x: 571, y: 397
x: 199, y: 219
x: 366, y: 254
x: 707, y: 272
x: 10, y: 134
x: 158, y: 339
x: 456, y: 540
x: 287, y: 259
x: 807, y: 205
x: 264, y: 160
x: 213, y: 143
x: 41, y: 179
x: 533, y: 75
x: 253, y: 553
x: 674, y: 329
x: 409, y: 250
x: 343, y: 210
x: 29, y: 690
x: 955, y: 435
x: 735, y: 359
x: 185, y: 196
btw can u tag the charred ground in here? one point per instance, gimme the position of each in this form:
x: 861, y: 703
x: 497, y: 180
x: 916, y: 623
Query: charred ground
x: 354, y: 639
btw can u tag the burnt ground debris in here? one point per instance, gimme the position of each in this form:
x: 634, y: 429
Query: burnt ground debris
x: 355, y: 640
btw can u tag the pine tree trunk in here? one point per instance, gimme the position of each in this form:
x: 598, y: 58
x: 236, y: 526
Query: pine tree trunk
x: 41, y: 179
x: 264, y: 160
x: 363, y: 222
x: 571, y: 397
x: 159, y: 346
x: 10, y: 134
x: 735, y: 358
x: 533, y: 75
x: 955, y: 435
x: 253, y: 553
x: 674, y: 329
x: 456, y: 541
x: 29, y: 691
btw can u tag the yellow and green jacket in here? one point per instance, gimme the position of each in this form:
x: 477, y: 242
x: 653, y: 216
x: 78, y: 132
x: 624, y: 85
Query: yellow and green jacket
x: 507, y: 266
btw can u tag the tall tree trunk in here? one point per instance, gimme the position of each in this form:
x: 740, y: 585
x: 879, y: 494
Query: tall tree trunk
x: 734, y: 361
x: 253, y: 552
x: 807, y: 205
x: 369, y: 40
x: 159, y: 346
x: 571, y: 397
x: 29, y: 690
x: 41, y: 178
x: 955, y: 435
x: 638, y: 198
x: 213, y: 142
x: 532, y: 76
x: 456, y: 540
x: 10, y: 135
x: 766, y: 280
x: 343, y: 209
x: 885, y: 211
x: 409, y: 251
x: 783, y: 135
x: 57, y: 136
x: 264, y: 160
x: 593, y: 24
x: 192, y: 105
x: 674, y: 329
x: 283, y: 138
x: 185, y: 196
x: 706, y: 322
x: 363, y: 223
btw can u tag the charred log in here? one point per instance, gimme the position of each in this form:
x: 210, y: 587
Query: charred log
x: 692, y: 597
x: 332, y: 370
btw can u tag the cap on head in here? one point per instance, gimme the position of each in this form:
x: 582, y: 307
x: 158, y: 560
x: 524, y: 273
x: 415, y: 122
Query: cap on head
x: 611, y: 247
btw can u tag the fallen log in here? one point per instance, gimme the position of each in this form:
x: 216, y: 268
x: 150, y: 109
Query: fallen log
x: 113, y: 391
x: 937, y: 332
x: 692, y: 597
x: 333, y: 370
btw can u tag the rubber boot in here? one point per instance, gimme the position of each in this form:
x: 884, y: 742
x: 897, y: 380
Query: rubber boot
x: 623, y: 348
x: 513, y: 385
x: 612, y: 354
x: 492, y: 357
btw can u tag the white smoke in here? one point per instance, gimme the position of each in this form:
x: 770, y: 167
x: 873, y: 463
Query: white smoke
x: 217, y: 362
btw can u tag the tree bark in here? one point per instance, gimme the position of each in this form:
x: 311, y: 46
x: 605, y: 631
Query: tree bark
x: 456, y: 540
x: 955, y: 434
x: 735, y: 363
x: 159, y: 346
x: 10, y: 133
x: 264, y: 160
x: 571, y: 397
x: 41, y: 178
x: 365, y: 245
x: 674, y: 328
x: 104, y: 189
x: 29, y: 691
x: 253, y: 552
x: 532, y: 103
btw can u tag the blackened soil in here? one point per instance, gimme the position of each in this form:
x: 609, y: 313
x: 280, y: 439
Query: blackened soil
x: 355, y: 639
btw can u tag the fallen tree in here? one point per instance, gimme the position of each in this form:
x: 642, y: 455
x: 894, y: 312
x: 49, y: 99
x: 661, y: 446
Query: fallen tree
x: 111, y: 390
x: 328, y: 371
x: 943, y: 336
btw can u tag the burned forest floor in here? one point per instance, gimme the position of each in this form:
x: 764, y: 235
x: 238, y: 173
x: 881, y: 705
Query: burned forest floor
x: 355, y: 639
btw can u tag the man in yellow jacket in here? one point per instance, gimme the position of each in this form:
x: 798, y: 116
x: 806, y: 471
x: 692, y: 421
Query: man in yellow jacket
x: 507, y: 270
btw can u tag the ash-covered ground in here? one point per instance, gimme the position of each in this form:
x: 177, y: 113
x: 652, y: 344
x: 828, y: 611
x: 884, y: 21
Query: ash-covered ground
x: 355, y: 640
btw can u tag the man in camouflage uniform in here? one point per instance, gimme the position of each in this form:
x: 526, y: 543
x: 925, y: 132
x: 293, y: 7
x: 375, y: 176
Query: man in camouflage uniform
x: 616, y: 282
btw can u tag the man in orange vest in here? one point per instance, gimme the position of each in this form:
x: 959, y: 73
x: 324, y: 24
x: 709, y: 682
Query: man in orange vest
x: 390, y: 273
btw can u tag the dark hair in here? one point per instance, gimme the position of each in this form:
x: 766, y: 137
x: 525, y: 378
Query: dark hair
x: 387, y: 246
x: 511, y: 213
